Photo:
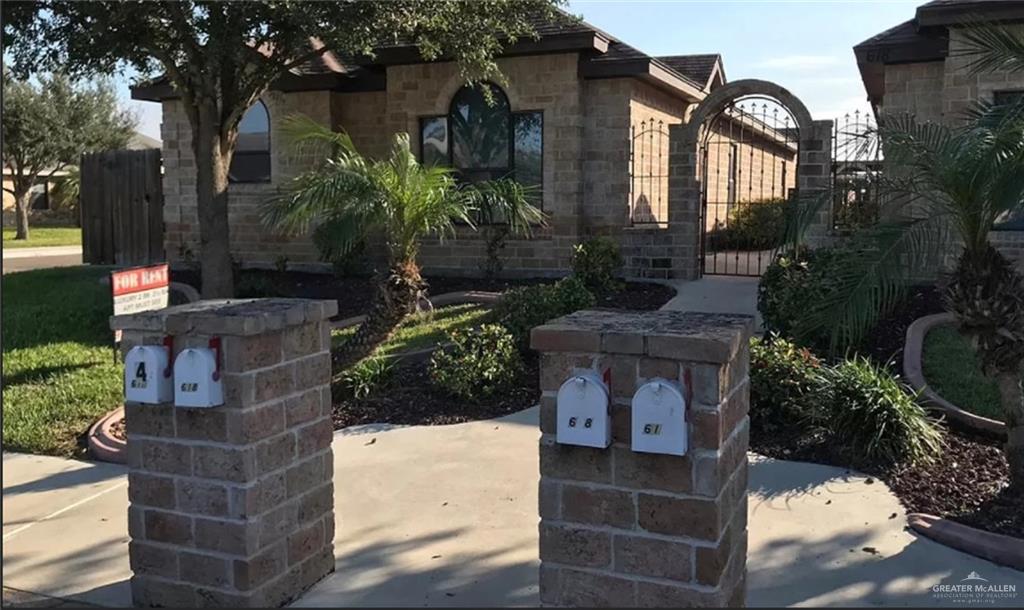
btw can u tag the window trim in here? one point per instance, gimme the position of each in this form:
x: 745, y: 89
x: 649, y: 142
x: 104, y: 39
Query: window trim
x: 252, y: 153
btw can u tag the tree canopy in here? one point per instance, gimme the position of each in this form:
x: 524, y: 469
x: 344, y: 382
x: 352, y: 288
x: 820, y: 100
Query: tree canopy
x: 220, y: 57
x: 49, y: 124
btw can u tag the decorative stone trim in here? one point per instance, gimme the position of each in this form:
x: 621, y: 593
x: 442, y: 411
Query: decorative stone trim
x: 103, y: 445
x: 914, y: 373
x: 997, y: 548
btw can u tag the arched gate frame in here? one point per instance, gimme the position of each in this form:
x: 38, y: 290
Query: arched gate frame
x: 812, y: 140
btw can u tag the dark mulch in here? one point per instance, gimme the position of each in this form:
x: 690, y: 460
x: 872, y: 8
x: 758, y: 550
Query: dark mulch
x: 354, y: 293
x: 117, y: 430
x: 410, y: 399
x: 884, y: 343
x: 964, y: 484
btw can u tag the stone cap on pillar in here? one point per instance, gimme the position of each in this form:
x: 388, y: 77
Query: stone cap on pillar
x: 237, y: 317
x: 693, y: 336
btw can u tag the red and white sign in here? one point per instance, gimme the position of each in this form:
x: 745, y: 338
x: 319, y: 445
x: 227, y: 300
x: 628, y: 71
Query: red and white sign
x: 140, y: 289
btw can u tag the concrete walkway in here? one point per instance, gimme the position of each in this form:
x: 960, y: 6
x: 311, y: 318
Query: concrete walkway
x: 447, y: 516
x: 717, y: 294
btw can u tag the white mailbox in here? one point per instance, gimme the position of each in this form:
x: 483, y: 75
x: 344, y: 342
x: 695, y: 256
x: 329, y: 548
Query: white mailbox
x: 583, y: 415
x: 659, y: 418
x: 197, y: 379
x: 146, y: 375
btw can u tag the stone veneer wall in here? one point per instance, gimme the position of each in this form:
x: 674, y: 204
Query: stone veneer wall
x: 626, y: 529
x: 233, y: 506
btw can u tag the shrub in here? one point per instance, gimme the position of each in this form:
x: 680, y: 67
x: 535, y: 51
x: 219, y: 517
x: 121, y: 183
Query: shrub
x: 792, y: 282
x: 784, y: 380
x: 477, y: 364
x: 597, y: 263
x: 873, y: 416
x: 521, y: 309
x: 255, y: 286
x: 367, y: 376
x: 753, y: 225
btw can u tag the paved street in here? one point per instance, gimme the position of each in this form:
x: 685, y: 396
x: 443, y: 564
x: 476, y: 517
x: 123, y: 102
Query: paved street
x: 24, y: 259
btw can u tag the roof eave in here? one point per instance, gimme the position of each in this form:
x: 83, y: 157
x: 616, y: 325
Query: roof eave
x: 160, y: 89
x: 645, y: 69
x: 561, y: 43
x: 939, y: 15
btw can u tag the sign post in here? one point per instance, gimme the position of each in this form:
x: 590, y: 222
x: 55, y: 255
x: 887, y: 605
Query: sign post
x: 139, y: 289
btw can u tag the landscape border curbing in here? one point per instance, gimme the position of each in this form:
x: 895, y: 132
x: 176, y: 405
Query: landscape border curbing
x: 914, y: 372
x: 103, y: 445
x: 997, y: 548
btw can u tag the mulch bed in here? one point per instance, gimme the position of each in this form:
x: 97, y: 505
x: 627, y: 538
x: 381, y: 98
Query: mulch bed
x: 410, y: 399
x: 353, y: 294
x: 885, y: 342
x: 966, y: 481
x: 963, y: 484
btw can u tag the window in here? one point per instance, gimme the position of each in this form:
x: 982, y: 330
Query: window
x: 1007, y: 97
x: 528, y: 145
x: 1014, y: 219
x: 486, y: 141
x: 251, y: 161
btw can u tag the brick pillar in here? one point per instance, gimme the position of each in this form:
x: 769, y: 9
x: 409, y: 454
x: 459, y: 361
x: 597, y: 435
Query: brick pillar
x: 234, y: 505
x: 621, y: 528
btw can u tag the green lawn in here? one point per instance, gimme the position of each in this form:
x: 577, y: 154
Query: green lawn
x: 953, y: 370
x: 58, y: 371
x: 425, y: 330
x: 39, y: 237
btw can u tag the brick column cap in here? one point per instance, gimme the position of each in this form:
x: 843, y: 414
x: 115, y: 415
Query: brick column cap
x: 236, y: 317
x: 691, y: 336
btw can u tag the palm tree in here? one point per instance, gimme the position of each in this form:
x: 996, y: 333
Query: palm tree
x: 947, y: 185
x: 350, y: 197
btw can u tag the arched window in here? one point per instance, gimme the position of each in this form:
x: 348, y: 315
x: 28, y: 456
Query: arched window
x: 485, y: 140
x: 251, y: 162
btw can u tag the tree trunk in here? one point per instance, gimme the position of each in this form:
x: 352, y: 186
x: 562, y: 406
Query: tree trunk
x: 212, y: 198
x: 396, y: 298
x: 1012, y: 397
x: 22, y: 200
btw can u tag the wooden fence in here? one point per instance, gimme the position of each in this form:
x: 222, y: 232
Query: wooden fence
x: 122, y: 205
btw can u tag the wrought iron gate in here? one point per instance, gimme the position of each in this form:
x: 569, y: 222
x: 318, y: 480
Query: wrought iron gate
x: 856, y: 172
x: 748, y: 168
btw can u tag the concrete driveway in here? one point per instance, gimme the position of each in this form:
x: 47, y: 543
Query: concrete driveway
x: 447, y: 516
x: 25, y: 259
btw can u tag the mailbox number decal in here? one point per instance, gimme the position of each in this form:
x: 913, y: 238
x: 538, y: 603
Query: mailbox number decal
x: 586, y: 423
x: 653, y: 429
x: 189, y: 387
x: 140, y: 376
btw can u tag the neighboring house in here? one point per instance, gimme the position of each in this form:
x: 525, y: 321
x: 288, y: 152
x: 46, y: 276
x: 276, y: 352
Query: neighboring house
x: 914, y: 68
x: 580, y: 115
x: 40, y: 193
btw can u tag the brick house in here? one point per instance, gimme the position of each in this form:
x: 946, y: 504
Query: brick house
x: 913, y: 68
x: 567, y: 118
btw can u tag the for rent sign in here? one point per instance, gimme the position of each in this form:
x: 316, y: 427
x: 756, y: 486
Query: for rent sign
x: 140, y: 289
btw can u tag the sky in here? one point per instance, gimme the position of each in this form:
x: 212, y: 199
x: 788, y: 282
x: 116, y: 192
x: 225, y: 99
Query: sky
x: 803, y: 45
